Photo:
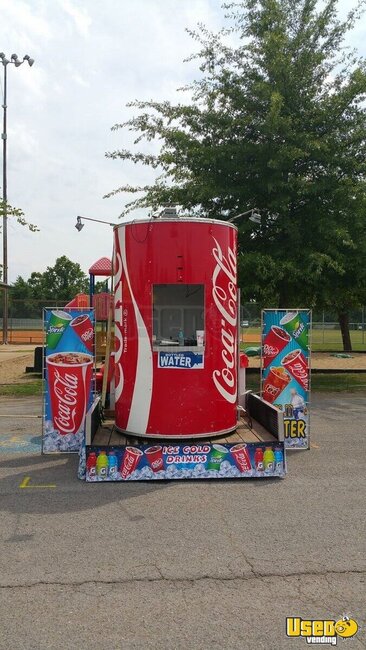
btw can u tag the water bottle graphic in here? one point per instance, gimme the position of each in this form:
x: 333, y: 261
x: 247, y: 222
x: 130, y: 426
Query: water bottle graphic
x: 278, y: 460
x: 91, y: 465
x: 181, y: 338
x: 258, y: 459
x: 112, y: 465
x: 269, y: 459
x: 102, y: 466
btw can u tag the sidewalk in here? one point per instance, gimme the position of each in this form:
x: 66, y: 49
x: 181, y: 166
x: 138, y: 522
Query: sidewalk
x: 11, y: 351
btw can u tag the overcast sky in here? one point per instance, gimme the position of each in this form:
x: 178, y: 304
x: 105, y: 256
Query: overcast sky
x: 91, y: 58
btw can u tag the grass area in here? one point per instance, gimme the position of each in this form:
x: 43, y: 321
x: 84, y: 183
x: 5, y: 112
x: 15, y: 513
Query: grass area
x: 33, y: 387
x: 319, y: 382
x: 332, y: 382
x: 320, y: 339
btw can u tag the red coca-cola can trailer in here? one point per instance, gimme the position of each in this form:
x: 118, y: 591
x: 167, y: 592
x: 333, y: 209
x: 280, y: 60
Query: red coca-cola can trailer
x: 176, y: 313
x: 178, y: 407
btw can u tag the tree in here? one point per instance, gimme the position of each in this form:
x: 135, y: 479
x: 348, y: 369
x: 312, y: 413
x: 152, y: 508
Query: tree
x: 9, y: 211
x: 276, y: 122
x: 59, y: 283
x: 63, y: 280
x: 6, y: 208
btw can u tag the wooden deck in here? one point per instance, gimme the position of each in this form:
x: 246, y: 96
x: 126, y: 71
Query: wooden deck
x: 250, y: 431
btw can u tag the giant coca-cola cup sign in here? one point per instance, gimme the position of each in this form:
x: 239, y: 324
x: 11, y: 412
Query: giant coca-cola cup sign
x: 69, y: 379
x: 224, y: 294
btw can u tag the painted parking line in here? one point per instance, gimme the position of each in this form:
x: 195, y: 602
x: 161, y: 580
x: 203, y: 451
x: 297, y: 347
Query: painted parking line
x: 26, y: 483
x: 26, y: 443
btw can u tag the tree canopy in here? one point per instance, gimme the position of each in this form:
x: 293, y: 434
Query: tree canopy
x: 59, y: 283
x: 277, y: 122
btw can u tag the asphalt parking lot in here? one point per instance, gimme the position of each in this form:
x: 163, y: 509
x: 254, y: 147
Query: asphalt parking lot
x: 186, y: 565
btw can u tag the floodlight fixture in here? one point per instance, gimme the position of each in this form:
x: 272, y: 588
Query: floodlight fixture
x: 253, y: 215
x: 79, y: 226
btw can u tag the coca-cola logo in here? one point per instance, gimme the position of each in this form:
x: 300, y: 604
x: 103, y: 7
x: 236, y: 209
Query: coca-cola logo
x: 88, y: 335
x: 65, y: 389
x: 225, y: 298
x: 157, y: 463
x: 270, y: 350
x: 271, y: 390
x: 128, y: 463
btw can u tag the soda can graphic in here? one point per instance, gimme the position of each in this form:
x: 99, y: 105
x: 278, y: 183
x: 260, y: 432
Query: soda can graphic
x: 275, y: 382
x: 131, y: 459
x: 217, y: 455
x: 59, y: 321
x: 69, y: 381
x: 274, y: 342
x: 154, y: 456
x: 296, y: 364
x: 295, y: 326
x: 241, y: 456
x: 83, y: 327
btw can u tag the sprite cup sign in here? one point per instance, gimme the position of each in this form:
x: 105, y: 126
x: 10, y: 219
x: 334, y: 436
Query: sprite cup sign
x: 59, y: 321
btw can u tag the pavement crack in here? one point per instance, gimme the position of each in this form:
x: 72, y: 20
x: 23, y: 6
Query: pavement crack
x: 206, y: 577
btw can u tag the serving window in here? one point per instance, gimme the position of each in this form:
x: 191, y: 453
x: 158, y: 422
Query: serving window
x: 178, y: 315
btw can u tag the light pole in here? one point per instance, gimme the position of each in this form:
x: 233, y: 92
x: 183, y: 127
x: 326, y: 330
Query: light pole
x: 5, y: 62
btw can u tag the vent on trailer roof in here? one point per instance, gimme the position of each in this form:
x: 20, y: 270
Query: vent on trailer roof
x: 168, y: 213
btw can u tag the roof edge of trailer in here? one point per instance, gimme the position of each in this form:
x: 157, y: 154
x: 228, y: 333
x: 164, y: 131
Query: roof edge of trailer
x: 221, y: 222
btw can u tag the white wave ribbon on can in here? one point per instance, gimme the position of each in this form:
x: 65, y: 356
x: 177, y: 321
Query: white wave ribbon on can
x: 142, y: 393
x: 118, y: 320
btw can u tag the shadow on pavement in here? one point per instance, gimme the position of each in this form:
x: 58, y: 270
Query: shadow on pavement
x: 72, y: 495
x: 69, y: 494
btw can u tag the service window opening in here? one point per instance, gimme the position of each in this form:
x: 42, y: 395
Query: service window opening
x: 178, y: 315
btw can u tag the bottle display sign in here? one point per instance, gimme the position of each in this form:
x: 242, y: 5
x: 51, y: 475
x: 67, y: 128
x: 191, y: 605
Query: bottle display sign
x: 144, y: 462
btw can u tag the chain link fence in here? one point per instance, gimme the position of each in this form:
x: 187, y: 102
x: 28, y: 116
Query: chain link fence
x: 25, y: 324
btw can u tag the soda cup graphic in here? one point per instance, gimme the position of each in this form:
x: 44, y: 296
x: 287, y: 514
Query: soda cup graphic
x: 241, y: 456
x: 275, y: 341
x: 217, y: 455
x: 130, y: 460
x: 295, y: 326
x: 275, y: 382
x: 83, y: 327
x: 69, y: 381
x: 154, y: 456
x: 296, y: 364
x: 59, y: 321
